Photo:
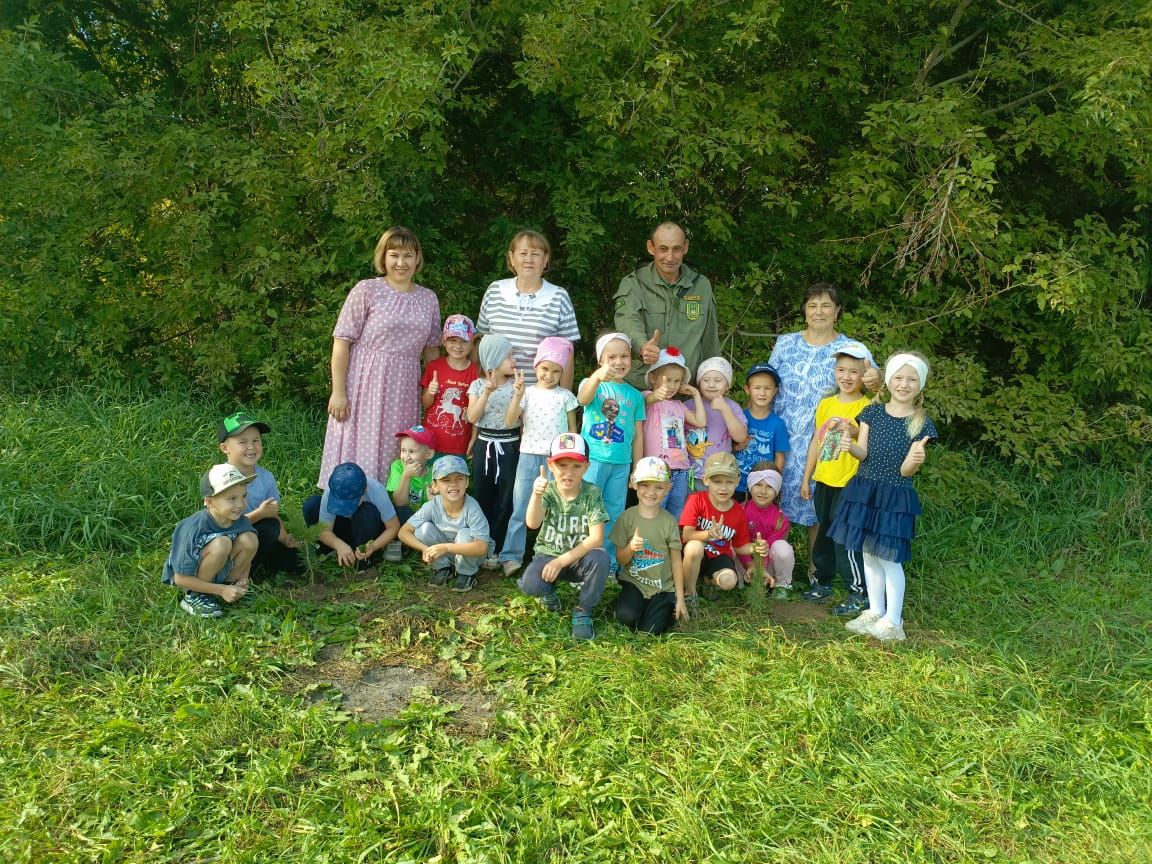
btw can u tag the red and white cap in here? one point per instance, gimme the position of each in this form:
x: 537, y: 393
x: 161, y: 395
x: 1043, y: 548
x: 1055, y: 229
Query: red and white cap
x: 568, y: 445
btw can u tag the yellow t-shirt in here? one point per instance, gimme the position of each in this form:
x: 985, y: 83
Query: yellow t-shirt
x: 834, y: 468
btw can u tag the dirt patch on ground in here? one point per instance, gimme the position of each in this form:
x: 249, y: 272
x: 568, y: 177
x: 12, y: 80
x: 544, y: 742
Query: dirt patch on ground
x: 787, y: 613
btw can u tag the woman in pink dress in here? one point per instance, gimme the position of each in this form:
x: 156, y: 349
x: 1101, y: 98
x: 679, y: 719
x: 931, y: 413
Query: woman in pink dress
x: 386, y: 327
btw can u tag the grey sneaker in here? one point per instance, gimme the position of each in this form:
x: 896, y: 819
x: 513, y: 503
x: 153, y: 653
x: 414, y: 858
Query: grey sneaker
x: 201, y: 605
x: 860, y: 625
x: 491, y: 563
x: 817, y: 593
x: 582, y: 626
x: 440, y: 575
x: 692, y: 601
x: 550, y: 601
x: 394, y: 552
x: 510, y: 568
x: 464, y: 582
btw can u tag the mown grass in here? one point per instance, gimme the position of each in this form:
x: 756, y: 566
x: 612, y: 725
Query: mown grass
x: 1013, y: 726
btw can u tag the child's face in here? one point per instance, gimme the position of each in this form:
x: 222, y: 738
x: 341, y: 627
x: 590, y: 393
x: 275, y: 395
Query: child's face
x: 568, y: 473
x: 527, y: 260
x: 413, y: 453
x: 671, y: 377
x: 761, y: 390
x: 905, y: 385
x: 244, y: 449
x: 548, y: 374
x: 507, y: 366
x: 616, y: 359
x: 650, y: 493
x: 721, y: 488
x: 457, y: 348
x: 762, y: 493
x: 400, y: 265
x: 453, y: 487
x: 713, y: 384
x: 229, y: 505
x: 849, y: 374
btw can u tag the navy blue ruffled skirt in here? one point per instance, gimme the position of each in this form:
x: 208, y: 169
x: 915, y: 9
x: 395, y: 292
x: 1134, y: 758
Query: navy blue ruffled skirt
x: 877, y: 518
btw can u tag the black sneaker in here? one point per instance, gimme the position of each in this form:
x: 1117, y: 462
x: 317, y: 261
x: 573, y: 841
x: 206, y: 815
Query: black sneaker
x: 817, y: 593
x: 853, y: 605
x: 440, y: 576
x: 464, y: 582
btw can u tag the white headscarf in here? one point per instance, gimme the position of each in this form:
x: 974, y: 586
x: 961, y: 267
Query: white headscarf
x: 896, y: 361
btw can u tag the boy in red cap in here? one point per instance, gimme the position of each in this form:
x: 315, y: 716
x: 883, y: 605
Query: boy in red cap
x: 409, y: 479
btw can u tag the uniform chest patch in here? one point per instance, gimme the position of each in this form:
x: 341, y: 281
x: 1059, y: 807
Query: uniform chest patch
x: 692, y: 306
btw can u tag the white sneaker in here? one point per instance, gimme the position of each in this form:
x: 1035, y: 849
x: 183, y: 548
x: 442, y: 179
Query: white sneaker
x: 886, y: 631
x: 860, y: 624
x: 511, y: 568
x: 491, y: 563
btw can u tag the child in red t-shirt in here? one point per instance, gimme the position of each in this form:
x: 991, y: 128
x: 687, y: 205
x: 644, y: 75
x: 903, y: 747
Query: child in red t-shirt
x: 714, y: 530
x: 444, y: 388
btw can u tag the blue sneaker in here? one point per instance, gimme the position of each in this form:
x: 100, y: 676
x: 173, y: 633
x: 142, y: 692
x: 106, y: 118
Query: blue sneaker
x: 817, y: 593
x: 853, y: 605
x: 201, y: 605
x: 582, y: 626
x: 550, y: 601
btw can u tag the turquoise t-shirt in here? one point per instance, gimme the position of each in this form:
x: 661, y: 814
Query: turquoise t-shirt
x: 610, y: 422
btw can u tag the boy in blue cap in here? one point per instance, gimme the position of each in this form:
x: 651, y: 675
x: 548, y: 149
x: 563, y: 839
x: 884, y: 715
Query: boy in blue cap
x: 356, y: 512
x: 450, y: 530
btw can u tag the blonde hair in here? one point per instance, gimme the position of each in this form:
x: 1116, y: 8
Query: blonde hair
x: 535, y: 239
x: 397, y: 237
x: 914, y: 423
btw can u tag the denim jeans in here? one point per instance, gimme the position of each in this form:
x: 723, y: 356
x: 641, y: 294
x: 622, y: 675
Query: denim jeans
x: 592, y: 570
x: 613, y: 483
x: 527, y: 471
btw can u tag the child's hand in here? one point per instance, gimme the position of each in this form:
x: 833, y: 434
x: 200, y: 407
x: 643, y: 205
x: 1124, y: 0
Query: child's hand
x: 338, y: 407
x: 232, y: 593
x: 433, y: 385
x: 410, y: 470
x: 871, y: 379
x: 916, y: 453
x: 490, y: 385
x: 365, y: 552
x: 716, y: 531
x: 718, y: 403
x: 434, y: 553
x: 689, y: 390
x: 540, y: 484
x: 637, y: 543
x: 518, y: 381
x: 806, y: 488
x: 663, y: 393
x: 552, y: 570
x: 346, y: 555
x: 287, y: 540
x: 681, y: 613
x: 269, y: 508
x: 760, y: 547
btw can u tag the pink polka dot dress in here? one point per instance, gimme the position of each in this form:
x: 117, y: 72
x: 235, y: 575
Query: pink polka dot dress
x: 388, y: 330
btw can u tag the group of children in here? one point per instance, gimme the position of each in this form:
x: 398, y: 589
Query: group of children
x: 705, y: 472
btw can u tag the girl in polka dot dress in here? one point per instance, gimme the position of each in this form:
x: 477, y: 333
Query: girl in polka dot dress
x: 878, y: 508
x: 387, y: 325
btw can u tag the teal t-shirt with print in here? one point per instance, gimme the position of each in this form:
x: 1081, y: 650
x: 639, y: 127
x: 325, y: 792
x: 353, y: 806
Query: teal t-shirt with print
x: 609, y: 423
x: 566, y: 523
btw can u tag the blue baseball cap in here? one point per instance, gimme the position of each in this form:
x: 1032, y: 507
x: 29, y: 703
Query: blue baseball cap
x: 763, y: 369
x: 346, y: 486
x: 446, y: 465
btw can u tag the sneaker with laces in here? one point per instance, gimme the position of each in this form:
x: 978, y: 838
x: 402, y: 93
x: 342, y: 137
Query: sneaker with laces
x: 440, y: 575
x: 853, y: 604
x: 464, y: 582
x: 510, y: 568
x: 886, y: 631
x: 550, y: 601
x: 860, y: 624
x: 394, y: 552
x: 817, y: 593
x: 782, y: 593
x: 201, y: 605
x: 582, y: 626
x: 491, y: 563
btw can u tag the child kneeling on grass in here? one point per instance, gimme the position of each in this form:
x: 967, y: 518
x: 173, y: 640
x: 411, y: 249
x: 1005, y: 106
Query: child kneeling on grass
x: 715, y: 530
x: 570, y: 546
x: 356, y: 513
x: 648, y: 551
x: 212, y: 550
x: 451, y: 529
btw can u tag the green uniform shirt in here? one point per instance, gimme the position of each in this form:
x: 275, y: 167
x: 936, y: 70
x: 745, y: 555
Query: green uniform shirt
x: 684, y: 313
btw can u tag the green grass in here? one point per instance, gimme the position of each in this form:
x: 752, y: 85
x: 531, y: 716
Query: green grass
x: 1013, y: 726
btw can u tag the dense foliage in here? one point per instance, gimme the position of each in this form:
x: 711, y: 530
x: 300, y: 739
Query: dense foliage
x: 191, y: 187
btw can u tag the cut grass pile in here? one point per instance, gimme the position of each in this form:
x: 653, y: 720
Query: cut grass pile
x: 1013, y: 726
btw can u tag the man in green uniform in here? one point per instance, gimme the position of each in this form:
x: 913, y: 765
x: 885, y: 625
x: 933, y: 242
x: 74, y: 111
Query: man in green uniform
x: 666, y: 303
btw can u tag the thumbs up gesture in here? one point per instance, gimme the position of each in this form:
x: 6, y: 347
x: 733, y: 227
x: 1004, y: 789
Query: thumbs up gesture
x: 650, y: 350
x: 637, y: 543
x: 760, y: 547
x: 434, y: 385
x: 916, y: 454
x: 541, y: 482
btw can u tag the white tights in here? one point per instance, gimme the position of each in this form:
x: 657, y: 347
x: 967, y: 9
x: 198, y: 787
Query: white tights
x: 885, y: 580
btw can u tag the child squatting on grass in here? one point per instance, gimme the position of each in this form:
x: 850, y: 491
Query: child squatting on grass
x: 878, y: 508
x: 212, y: 550
x: 767, y: 523
x: 450, y: 531
x: 409, y: 479
x: 356, y: 513
x: 715, y: 530
x: 648, y: 547
x: 570, y: 546
x: 242, y: 444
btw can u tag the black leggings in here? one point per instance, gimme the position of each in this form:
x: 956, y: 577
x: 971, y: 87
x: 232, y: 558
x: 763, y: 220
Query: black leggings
x: 654, y: 615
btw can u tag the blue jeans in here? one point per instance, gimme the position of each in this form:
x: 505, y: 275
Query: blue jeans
x: 613, y: 483
x: 678, y: 494
x: 592, y: 570
x: 527, y: 471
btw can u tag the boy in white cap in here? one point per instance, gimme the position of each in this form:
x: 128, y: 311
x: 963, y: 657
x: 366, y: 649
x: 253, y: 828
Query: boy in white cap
x: 570, y: 546
x: 212, y: 550
x: 667, y: 419
x: 725, y: 419
x: 450, y: 530
x: 648, y: 548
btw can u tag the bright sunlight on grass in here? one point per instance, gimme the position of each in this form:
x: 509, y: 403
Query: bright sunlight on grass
x: 368, y: 717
